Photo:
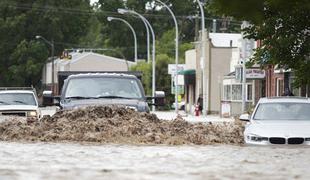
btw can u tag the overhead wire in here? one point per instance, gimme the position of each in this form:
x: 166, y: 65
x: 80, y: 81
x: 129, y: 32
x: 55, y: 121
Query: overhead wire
x: 108, y: 13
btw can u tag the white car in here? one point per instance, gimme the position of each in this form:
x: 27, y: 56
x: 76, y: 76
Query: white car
x: 21, y: 102
x: 281, y: 120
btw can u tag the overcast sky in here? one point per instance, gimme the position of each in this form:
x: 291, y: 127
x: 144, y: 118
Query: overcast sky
x: 92, y: 1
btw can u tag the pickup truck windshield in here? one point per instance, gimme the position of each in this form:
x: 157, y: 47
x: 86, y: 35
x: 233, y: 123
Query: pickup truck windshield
x: 17, y: 99
x: 283, y: 111
x: 101, y: 87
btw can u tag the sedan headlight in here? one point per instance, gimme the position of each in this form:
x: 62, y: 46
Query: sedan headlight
x: 32, y: 113
x: 256, y: 138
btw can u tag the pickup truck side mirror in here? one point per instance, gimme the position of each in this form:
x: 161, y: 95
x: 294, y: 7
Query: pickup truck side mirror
x: 159, y: 98
x: 49, y: 99
x: 244, y: 117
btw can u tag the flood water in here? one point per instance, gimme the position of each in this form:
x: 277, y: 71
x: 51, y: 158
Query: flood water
x: 80, y: 161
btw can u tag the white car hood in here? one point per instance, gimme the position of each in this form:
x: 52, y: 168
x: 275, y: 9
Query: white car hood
x: 17, y: 107
x: 277, y: 128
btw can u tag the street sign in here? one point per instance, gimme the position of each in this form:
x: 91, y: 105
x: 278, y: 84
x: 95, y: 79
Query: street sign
x: 180, y: 80
x: 172, y: 68
x: 255, y: 74
x: 180, y: 89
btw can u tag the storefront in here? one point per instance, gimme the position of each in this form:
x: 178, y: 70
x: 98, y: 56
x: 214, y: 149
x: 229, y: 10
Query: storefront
x: 232, y: 91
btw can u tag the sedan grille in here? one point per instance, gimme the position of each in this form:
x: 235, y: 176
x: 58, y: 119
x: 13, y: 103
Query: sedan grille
x: 277, y: 140
x: 295, y: 140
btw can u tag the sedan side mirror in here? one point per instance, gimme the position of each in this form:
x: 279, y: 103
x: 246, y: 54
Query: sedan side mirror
x: 244, y: 117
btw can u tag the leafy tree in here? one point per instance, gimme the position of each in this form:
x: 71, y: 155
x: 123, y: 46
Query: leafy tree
x: 21, y: 21
x: 27, y: 64
x: 283, y: 28
x: 146, y: 69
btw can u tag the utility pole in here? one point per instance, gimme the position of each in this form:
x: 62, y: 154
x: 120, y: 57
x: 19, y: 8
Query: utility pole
x: 53, y: 68
x: 203, y: 63
x: 247, y: 51
x: 176, y: 54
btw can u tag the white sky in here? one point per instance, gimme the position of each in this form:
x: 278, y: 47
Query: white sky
x: 92, y: 1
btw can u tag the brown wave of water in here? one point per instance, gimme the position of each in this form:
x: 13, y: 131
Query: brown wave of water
x: 109, y: 124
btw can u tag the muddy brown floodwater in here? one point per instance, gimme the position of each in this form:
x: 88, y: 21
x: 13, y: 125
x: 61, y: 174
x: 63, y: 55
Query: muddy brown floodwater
x: 36, y: 161
x: 118, y: 143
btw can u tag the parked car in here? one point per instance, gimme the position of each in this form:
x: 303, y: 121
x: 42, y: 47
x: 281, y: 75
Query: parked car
x: 19, y: 101
x: 281, y: 120
x: 87, y: 89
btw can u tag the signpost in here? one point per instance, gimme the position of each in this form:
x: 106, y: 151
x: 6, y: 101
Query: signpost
x: 173, y: 72
x: 247, y: 52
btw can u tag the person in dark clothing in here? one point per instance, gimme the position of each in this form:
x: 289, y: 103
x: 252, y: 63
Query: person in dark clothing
x: 200, y: 102
x: 287, y: 92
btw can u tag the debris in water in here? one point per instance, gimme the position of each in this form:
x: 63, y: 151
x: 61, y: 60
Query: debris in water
x: 111, y: 124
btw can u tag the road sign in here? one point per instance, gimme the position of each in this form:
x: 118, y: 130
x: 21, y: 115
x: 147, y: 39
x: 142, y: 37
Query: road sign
x: 172, y: 68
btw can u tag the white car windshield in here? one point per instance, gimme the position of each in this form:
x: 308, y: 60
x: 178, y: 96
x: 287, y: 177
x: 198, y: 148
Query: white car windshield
x: 101, y: 87
x: 17, y: 99
x: 283, y: 111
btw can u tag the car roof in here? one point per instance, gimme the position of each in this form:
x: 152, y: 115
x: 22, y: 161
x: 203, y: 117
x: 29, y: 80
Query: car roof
x: 289, y: 99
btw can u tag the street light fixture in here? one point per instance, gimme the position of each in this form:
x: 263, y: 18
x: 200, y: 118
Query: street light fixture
x: 203, y: 63
x: 133, y: 32
x: 176, y: 53
x: 126, y: 11
x: 51, y: 43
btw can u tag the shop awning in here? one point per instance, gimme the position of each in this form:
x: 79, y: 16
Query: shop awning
x: 189, y: 76
x: 188, y: 72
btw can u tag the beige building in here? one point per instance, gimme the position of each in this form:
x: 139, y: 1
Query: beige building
x: 221, y: 51
x: 84, y: 61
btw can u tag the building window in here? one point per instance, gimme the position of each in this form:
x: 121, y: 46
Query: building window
x: 236, y: 92
x: 233, y: 92
x: 280, y: 87
x: 249, y: 90
x: 227, y: 92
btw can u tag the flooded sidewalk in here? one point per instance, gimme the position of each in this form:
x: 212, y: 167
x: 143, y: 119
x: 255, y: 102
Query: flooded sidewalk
x: 36, y: 161
x: 170, y: 115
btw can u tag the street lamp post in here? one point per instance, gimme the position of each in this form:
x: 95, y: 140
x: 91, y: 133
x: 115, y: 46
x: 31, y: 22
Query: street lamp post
x: 133, y: 32
x: 176, y: 53
x: 51, y: 43
x: 203, y: 63
x: 124, y: 11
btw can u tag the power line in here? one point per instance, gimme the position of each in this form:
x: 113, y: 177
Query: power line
x: 108, y: 13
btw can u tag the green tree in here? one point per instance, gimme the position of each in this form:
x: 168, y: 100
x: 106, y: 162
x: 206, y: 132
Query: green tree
x: 283, y: 27
x: 26, y: 65
x: 21, y: 21
x: 146, y: 69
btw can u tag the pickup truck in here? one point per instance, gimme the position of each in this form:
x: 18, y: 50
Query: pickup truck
x: 19, y: 101
x: 86, y: 89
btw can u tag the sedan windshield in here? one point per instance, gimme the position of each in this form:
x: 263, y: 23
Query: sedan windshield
x: 17, y: 99
x: 283, y: 111
x: 103, y: 87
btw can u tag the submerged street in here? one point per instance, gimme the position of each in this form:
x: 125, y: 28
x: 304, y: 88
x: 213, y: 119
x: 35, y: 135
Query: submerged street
x: 89, y: 161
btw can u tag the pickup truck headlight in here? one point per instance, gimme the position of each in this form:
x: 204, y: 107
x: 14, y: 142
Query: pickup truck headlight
x: 132, y: 107
x: 32, y: 113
